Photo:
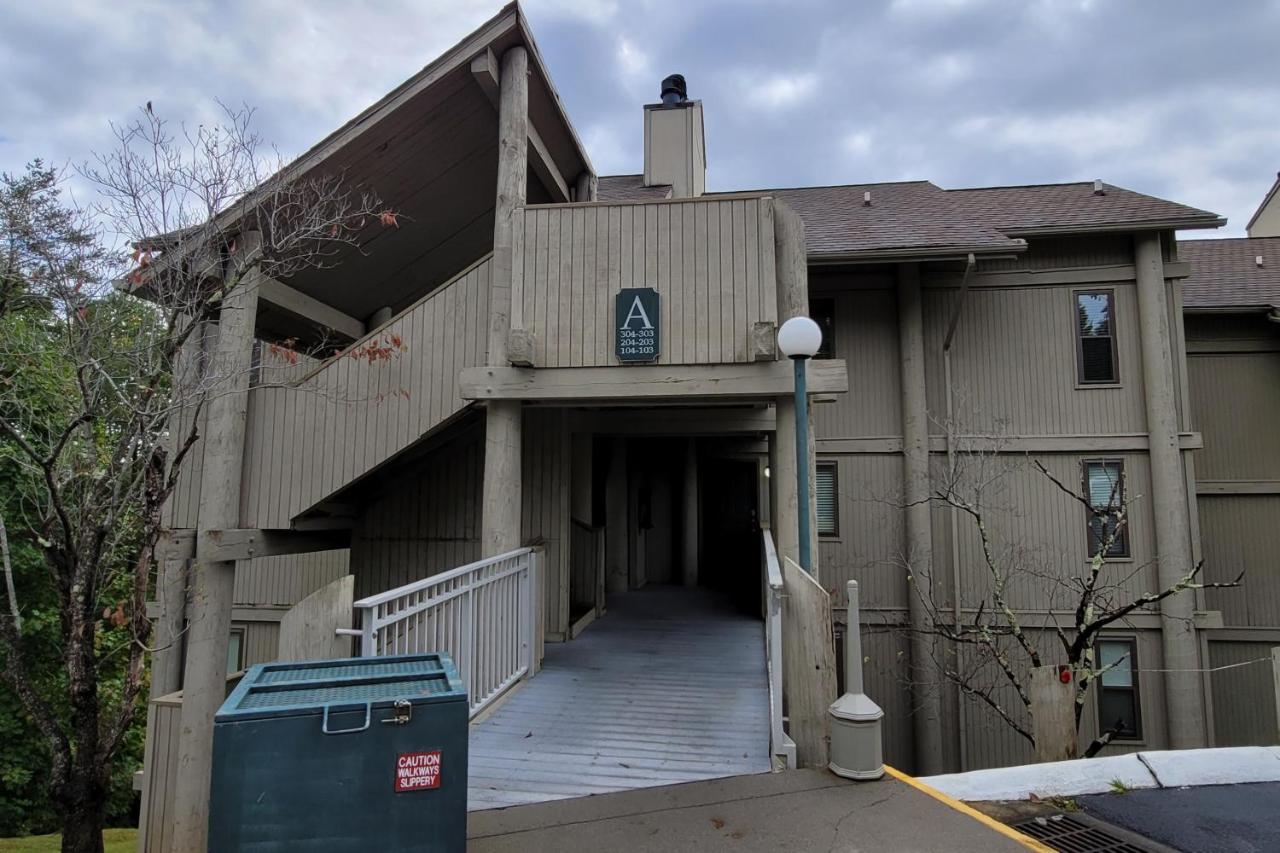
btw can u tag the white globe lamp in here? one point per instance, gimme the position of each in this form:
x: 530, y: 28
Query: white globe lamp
x: 800, y: 337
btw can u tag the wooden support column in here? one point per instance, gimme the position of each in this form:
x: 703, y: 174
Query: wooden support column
x: 585, y: 188
x: 1184, y: 688
x: 210, y: 596
x: 926, y: 718
x: 689, y: 545
x: 793, y: 301
x: 500, y: 510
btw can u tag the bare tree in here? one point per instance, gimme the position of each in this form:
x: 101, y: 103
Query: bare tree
x: 985, y: 642
x: 102, y: 460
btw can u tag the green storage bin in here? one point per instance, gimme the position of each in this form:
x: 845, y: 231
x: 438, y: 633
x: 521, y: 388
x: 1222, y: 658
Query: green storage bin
x: 341, y: 755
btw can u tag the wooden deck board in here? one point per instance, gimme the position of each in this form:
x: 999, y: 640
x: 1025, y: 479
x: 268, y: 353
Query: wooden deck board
x: 668, y: 687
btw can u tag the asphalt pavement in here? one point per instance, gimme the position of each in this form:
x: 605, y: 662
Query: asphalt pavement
x: 1202, y: 819
x: 800, y: 810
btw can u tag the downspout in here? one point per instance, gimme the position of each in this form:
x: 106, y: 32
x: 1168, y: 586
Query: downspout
x: 970, y: 264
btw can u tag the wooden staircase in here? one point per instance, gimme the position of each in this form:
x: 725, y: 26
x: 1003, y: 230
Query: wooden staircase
x: 308, y: 439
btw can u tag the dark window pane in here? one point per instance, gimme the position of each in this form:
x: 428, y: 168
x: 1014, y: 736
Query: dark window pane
x: 1118, y: 706
x: 823, y: 312
x: 1096, y: 362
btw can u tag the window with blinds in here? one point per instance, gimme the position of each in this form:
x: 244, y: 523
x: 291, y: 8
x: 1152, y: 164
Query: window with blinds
x: 828, y: 494
x: 1096, y: 361
x: 1119, y: 707
x: 1104, y: 487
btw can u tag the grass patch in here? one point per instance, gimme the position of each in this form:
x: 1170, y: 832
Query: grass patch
x: 114, y: 840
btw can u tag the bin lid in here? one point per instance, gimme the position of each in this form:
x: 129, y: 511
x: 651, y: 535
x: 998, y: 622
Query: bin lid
x: 305, y: 687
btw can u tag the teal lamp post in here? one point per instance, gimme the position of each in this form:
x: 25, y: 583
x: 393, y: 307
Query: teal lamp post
x: 799, y: 339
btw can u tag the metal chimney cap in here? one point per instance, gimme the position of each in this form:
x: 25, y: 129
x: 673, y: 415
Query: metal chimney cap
x: 674, y: 90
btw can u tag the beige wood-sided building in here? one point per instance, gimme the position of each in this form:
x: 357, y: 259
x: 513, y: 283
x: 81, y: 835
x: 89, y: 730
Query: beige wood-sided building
x: 633, y: 490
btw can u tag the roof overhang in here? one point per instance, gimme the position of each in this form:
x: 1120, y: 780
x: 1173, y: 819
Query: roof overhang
x: 428, y: 150
x: 1117, y: 227
x: 920, y: 254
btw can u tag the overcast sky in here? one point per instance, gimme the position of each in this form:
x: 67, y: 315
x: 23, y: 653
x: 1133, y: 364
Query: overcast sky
x: 1177, y: 98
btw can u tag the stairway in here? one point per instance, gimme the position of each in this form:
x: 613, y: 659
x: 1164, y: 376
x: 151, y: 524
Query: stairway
x: 308, y: 439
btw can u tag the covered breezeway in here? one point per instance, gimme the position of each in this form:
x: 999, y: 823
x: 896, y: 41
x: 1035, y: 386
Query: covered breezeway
x: 669, y: 686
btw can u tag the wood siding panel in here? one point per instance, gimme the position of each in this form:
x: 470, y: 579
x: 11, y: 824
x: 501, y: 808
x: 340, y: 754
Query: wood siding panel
x: 866, y: 337
x: 287, y: 579
x: 425, y: 522
x: 1224, y: 386
x: 545, y: 516
x: 1013, y: 364
x: 306, y: 440
x: 1240, y: 533
x: 869, y: 547
x: 1244, y: 697
x: 707, y: 258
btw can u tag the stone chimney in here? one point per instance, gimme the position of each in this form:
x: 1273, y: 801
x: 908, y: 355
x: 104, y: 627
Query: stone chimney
x: 674, y: 150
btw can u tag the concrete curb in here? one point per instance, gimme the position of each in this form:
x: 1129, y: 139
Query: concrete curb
x: 1160, y: 769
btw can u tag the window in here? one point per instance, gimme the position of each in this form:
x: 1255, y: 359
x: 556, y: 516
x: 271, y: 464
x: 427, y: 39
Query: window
x: 235, y: 650
x: 1119, y: 706
x: 823, y: 312
x: 1104, y: 486
x: 1096, y: 338
x: 828, y: 499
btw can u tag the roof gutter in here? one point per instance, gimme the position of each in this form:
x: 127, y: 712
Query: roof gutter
x: 1114, y: 227
x: 921, y: 255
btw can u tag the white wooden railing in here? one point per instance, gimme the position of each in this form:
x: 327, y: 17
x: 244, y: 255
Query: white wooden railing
x: 782, y: 747
x: 483, y: 614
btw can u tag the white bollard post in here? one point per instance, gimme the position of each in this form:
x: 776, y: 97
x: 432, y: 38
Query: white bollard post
x: 856, y: 741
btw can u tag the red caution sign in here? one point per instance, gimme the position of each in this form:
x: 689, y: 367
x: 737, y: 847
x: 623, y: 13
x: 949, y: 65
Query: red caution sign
x: 417, y: 771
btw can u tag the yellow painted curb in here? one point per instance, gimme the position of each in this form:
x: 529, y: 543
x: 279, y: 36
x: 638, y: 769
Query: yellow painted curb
x: 990, y: 822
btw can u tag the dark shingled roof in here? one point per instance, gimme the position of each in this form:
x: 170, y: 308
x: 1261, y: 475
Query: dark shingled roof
x: 1064, y: 207
x: 1225, y: 273
x: 901, y: 217
x: 917, y: 217
x: 629, y: 188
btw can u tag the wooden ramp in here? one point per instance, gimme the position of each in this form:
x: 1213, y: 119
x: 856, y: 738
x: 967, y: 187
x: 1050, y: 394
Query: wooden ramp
x: 668, y: 687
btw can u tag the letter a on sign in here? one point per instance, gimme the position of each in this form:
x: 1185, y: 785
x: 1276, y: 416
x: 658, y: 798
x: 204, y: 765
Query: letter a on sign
x: 636, y: 325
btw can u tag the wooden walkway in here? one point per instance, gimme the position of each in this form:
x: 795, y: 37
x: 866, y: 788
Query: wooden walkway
x: 669, y: 686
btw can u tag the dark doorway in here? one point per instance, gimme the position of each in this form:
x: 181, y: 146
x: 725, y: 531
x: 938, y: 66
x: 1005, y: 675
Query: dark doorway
x: 730, y: 540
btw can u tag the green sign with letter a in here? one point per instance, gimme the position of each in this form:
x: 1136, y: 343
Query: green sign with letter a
x: 636, y: 325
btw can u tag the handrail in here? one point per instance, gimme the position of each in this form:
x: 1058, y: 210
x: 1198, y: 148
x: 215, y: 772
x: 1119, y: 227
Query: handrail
x: 781, y: 746
x: 434, y: 580
x: 484, y: 614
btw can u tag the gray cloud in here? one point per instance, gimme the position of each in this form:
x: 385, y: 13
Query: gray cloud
x: 1171, y: 97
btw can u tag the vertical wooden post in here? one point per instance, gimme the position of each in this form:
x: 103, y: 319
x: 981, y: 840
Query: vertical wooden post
x: 1184, y: 690
x: 501, y: 499
x: 793, y: 301
x: 1053, y: 715
x: 689, y: 543
x: 585, y: 187
x: 212, y: 582
x: 925, y: 694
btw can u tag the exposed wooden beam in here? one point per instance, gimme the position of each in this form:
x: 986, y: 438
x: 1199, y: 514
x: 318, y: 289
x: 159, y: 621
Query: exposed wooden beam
x: 247, y: 543
x: 485, y: 70
x: 721, y: 421
x: 740, y: 381
x: 296, y: 302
